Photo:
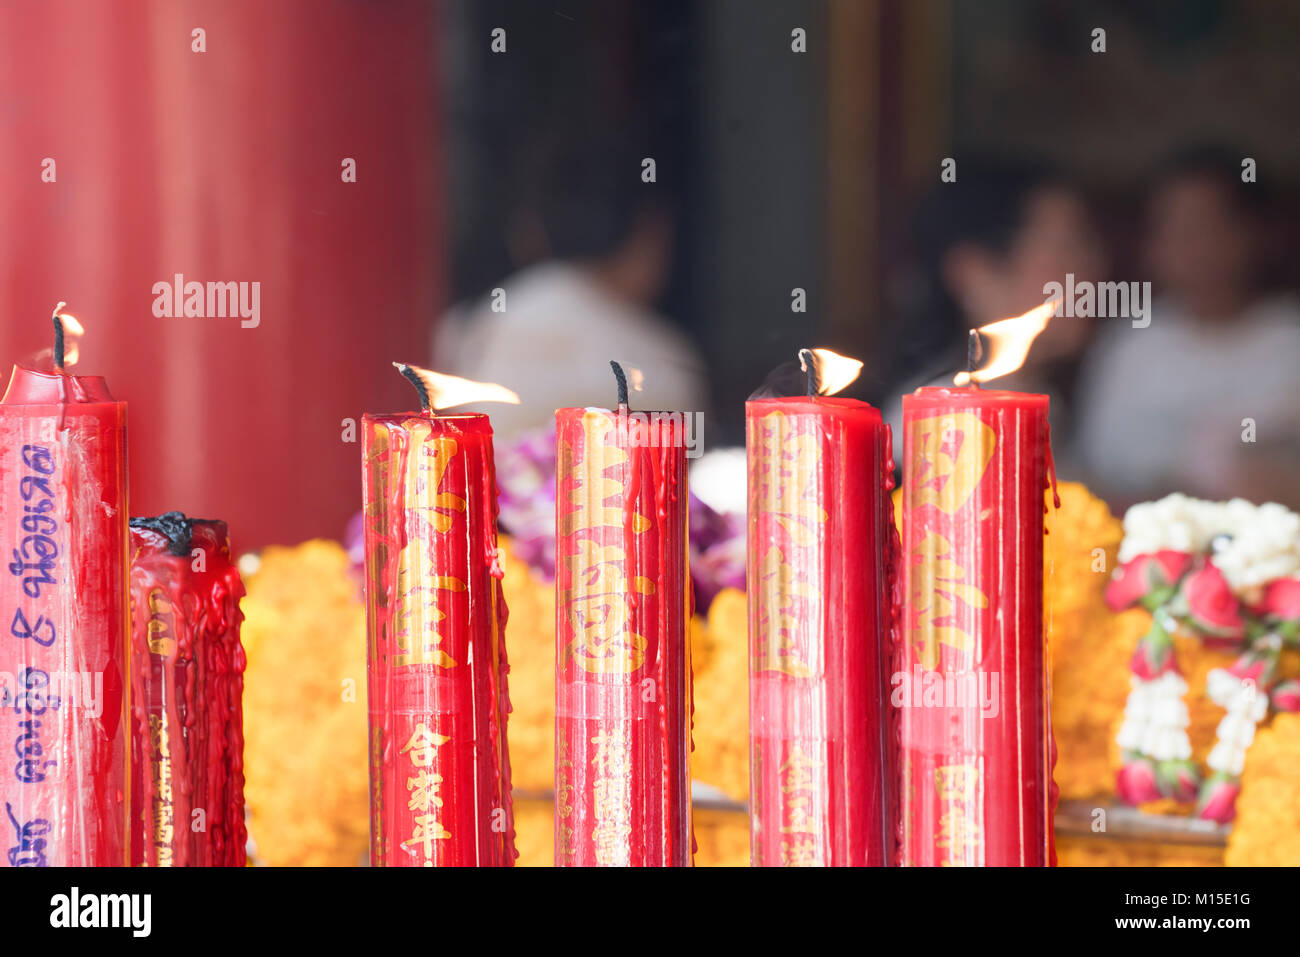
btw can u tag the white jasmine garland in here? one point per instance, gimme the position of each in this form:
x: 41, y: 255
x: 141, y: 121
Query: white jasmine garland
x: 1258, y: 542
x: 1156, y: 719
x: 1246, y: 707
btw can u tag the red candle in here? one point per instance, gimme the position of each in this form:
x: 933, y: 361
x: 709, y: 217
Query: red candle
x: 623, y: 672
x: 970, y: 681
x: 821, y: 558
x: 63, y: 604
x: 439, y: 765
x: 187, y: 688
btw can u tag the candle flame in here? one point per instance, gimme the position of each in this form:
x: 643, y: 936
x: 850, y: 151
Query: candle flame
x: 1008, y: 342
x: 72, y: 333
x: 831, y: 371
x: 635, y: 377
x: 445, y: 391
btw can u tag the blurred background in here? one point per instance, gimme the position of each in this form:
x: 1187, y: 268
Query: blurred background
x: 505, y: 222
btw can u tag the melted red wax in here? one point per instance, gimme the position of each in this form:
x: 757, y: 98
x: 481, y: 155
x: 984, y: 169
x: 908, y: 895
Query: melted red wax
x: 975, y: 783
x: 823, y: 593
x: 451, y: 522
x: 65, y: 795
x: 197, y: 688
x: 643, y: 817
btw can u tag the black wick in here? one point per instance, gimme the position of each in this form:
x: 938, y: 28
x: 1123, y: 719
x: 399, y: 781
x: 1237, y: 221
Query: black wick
x: 621, y: 377
x: 413, y: 377
x: 807, y: 361
x: 59, y: 345
x: 974, y: 352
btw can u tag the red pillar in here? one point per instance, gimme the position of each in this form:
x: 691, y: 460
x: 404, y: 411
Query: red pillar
x: 225, y: 165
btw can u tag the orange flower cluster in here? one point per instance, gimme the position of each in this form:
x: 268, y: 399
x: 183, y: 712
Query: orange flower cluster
x: 304, y: 632
x: 305, y: 709
x: 1267, y: 830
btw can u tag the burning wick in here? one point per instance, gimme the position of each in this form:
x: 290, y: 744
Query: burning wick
x: 621, y: 377
x: 808, y: 364
x: 58, y: 336
x: 437, y: 390
x: 421, y: 389
x: 974, y: 352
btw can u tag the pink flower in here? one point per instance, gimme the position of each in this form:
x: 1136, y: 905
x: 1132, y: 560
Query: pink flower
x: 1258, y: 666
x: 1219, y: 799
x: 1136, y: 781
x: 1178, y: 780
x: 1145, y: 576
x: 1207, y: 604
x: 1153, y: 657
x: 1281, y: 600
x: 1286, y: 696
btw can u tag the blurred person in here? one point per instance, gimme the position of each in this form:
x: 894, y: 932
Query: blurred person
x: 987, y: 245
x: 600, y: 242
x: 1163, y: 408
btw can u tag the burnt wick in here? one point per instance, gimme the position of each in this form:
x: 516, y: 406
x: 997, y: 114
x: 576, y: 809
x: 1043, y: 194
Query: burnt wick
x: 808, y: 362
x: 59, y: 344
x: 413, y: 377
x: 622, y: 379
x: 974, y: 352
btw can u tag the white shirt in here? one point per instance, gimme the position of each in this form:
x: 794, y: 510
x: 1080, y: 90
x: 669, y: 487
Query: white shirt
x: 1162, y: 409
x: 552, y: 343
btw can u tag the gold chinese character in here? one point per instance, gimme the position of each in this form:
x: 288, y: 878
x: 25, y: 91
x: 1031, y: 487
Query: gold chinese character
x: 423, y: 744
x: 936, y: 586
x: 599, y: 615
x: 949, y: 454
x: 424, y: 791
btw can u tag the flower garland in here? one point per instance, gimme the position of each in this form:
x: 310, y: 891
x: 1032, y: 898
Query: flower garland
x: 1226, y: 573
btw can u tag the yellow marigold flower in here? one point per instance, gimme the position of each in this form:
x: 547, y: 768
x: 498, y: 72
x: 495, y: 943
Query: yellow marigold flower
x: 305, y: 768
x: 1267, y: 829
x: 720, y: 659
x: 530, y: 647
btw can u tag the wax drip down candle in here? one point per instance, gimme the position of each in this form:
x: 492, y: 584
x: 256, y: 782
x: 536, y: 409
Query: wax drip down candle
x: 822, y: 551
x: 970, y: 673
x: 623, y: 667
x: 63, y: 606
x: 436, y: 662
x: 187, y: 690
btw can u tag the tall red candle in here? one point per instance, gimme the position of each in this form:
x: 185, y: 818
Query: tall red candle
x: 821, y: 558
x: 622, y: 671
x: 970, y: 682
x: 187, y: 687
x: 439, y: 763
x: 63, y: 605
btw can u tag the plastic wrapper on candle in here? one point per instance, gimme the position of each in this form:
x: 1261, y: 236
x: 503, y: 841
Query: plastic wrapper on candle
x: 439, y: 763
x: 187, y: 691
x: 63, y: 609
x: 623, y: 671
x: 970, y: 676
x: 822, y: 547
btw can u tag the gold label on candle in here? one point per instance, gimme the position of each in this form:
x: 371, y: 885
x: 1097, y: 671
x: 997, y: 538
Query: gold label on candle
x: 949, y: 456
x: 789, y: 606
x: 159, y: 630
x: 959, y: 839
x: 564, y: 803
x: 601, y: 639
x: 611, y: 811
x: 161, y: 771
x: 422, y: 791
x: 937, y: 584
x: 418, y: 619
x: 801, y: 826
